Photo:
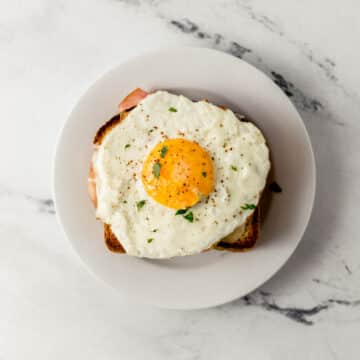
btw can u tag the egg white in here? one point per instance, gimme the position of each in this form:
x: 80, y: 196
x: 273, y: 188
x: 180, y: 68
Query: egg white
x: 241, y: 162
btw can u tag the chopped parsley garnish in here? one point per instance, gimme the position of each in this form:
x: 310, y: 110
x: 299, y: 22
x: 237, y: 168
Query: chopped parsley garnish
x: 150, y: 240
x: 155, y: 230
x: 156, y: 169
x: 163, y: 151
x: 127, y: 146
x: 181, y: 211
x: 234, y: 168
x: 125, y: 202
x: 140, y: 204
x: 150, y: 131
x: 189, y: 217
x: 172, y: 109
x: 248, y: 207
x: 204, y: 173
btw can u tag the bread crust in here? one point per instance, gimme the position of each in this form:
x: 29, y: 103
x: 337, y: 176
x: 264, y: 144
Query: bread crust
x: 107, y: 127
x: 244, y: 237
x: 111, y: 241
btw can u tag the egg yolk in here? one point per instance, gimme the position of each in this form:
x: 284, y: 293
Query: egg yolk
x: 178, y: 173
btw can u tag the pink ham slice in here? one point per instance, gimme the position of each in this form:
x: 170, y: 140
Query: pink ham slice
x: 132, y: 99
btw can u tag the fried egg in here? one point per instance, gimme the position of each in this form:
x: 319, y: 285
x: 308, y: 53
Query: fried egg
x: 176, y: 176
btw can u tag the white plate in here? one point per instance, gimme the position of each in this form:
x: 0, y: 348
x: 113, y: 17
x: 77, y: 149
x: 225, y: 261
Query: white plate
x: 211, y: 278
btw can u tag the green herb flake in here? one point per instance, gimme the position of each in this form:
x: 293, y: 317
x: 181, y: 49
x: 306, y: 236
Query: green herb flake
x: 150, y: 131
x: 127, y: 146
x: 181, y: 211
x: 140, y: 204
x: 156, y: 169
x: 234, y: 168
x: 189, y: 217
x: 150, y: 240
x: 204, y: 173
x: 163, y: 151
x: 124, y: 202
x: 172, y: 109
x: 155, y: 230
x: 248, y: 207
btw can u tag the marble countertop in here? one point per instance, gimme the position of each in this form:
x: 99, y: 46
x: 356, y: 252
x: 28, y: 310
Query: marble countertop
x: 50, y: 307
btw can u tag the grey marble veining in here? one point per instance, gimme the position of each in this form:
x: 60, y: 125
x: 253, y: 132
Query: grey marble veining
x: 303, y: 316
x: 234, y: 48
x: 51, y: 307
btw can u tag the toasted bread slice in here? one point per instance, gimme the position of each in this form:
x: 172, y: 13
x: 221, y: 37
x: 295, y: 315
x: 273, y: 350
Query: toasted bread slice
x: 243, y: 238
x: 101, y: 133
x: 112, y: 241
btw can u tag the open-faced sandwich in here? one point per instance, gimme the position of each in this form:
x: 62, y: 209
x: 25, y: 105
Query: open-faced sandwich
x: 173, y: 177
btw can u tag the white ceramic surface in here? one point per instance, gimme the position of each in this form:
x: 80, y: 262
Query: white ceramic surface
x: 195, y: 281
x: 50, y: 307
